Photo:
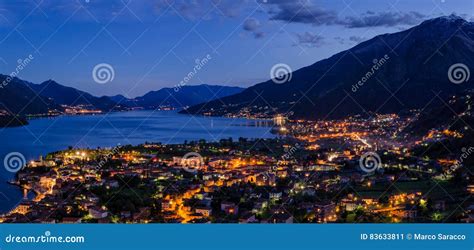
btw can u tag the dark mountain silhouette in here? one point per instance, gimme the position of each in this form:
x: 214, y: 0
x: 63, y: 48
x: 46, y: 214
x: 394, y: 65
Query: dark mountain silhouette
x: 454, y: 113
x: 18, y: 98
x: 118, y: 98
x: 63, y: 95
x: 178, y: 97
x: 411, y: 66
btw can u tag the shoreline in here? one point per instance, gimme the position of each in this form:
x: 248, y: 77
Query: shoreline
x: 26, y: 191
x: 38, y: 194
x: 27, y: 118
x: 252, y: 123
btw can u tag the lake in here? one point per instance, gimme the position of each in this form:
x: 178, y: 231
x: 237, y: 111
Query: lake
x: 46, y: 135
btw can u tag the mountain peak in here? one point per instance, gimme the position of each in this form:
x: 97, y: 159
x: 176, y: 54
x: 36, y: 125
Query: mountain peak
x: 452, y: 17
x: 50, y: 82
x: 451, y: 20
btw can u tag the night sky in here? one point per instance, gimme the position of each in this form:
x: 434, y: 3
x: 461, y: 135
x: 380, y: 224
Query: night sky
x: 155, y: 43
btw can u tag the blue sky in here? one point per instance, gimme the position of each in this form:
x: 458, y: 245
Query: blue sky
x: 155, y: 43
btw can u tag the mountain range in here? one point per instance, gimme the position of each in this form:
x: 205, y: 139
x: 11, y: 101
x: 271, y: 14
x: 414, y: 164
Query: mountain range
x: 19, y: 98
x: 69, y: 96
x: 389, y: 73
x: 178, y: 97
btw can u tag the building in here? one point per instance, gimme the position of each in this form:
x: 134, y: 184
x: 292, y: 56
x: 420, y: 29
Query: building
x: 281, y: 216
x: 279, y: 120
x: 23, y: 208
x: 325, y: 212
x: 98, y: 212
x: 204, y: 211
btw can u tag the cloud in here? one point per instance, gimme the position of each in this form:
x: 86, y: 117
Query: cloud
x: 229, y: 8
x: 293, y: 11
x: 253, y: 25
x: 190, y: 10
x: 339, y: 39
x: 309, y: 39
x: 467, y: 17
x: 202, y: 9
x: 306, y: 12
x: 81, y: 11
x: 357, y: 39
x: 299, y: 11
x: 350, y: 39
x: 384, y: 19
x: 259, y: 34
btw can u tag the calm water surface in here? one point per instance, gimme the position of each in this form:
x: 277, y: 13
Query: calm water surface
x: 46, y: 135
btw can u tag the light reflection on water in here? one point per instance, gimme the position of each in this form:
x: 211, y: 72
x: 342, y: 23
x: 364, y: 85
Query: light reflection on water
x: 46, y: 135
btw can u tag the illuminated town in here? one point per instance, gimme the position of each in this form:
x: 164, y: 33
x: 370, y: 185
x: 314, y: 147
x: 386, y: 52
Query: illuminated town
x: 313, y: 172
